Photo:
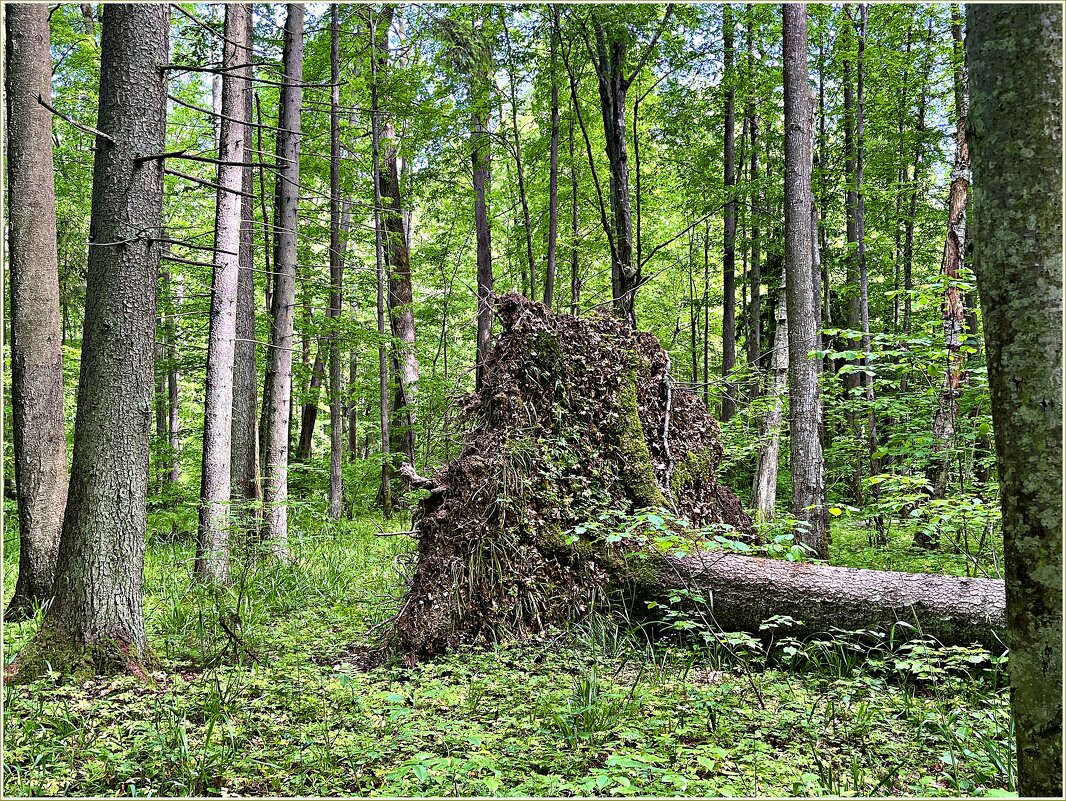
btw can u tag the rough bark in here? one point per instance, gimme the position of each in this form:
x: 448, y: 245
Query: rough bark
x: 40, y: 444
x: 745, y: 591
x: 278, y: 390
x: 953, y: 312
x: 1015, y: 140
x: 96, y: 622
x: 764, y: 486
x: 212, y: 541
x: 803, y: 302
x: 244, y: 437
x: 729, y: 252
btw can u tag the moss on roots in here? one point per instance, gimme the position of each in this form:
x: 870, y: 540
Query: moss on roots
x: 53, y: 649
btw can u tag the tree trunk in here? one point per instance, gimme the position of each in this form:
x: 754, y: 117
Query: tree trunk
x: 553, y: 166
x: 754, y: 336
x: 383, y: 363
x: 912, y: 211
x: 522, y: 196
x: 481, y: 161
x: 746, y: 591
x: 212, y: 541
x: 309, y: 410
x: 575, y: 275
x: 1015, y: 132
x: 38, y: 437
x: 96, y: 622
x: 278, y: 390
x: 954, y: 310
x: 803, y: 302
x: 173, y: 375
x: 336, y: 270
x: 764, y: 489
x: 729, y: 255
x: 610, y: 63
x: 244, y: 437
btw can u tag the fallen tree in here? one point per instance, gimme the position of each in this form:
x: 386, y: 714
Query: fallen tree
x: 742, y: 592
x: 580, y: 416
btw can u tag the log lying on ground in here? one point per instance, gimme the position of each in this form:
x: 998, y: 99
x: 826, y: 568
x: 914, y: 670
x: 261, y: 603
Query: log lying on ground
x: 744, y: 591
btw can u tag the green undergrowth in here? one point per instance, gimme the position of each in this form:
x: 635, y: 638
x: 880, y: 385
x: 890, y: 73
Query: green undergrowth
x: 266, y: 689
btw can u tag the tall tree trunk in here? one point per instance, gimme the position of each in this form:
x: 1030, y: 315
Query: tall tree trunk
x: 553, y: 165
x: 523, y: 198
x: 860, y: 235
x: 38, y: 437
x: 953, y: 310
x: 912, y: 210
x: 851, y: 204
x: 754, y: 336
x: 244, y: 437
x: 212, y: 541
x: 764, y: 489
x: 383, y: 362
x: 729, y: 254
x: 96, y: 621
x: 803, y: 302
x: 336, y: 270
x: 481, y: 161
x: 278, y: 390
x: 1015, y: 116
x: 575, y: 274
x: 400, y: 290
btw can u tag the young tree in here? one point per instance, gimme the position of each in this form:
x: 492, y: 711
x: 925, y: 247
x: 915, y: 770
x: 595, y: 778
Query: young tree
x: 212, y: 541
x: 754, y: 311
x: 278, y: 390
x: 480, y: 77
x: 39, y: 441
x: 553, y: 163
x: 336, y: 269
x: 96, y: 622
x: 764, y: 487
x: 1015, y: 59
x: 954, y: 309
x: 803, y: 302
x: 729, y: 251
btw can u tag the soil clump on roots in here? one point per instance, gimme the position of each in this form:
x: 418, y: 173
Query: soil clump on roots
x: 575, y: 417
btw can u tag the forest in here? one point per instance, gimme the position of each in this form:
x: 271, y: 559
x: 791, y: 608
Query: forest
x: 551, y: 400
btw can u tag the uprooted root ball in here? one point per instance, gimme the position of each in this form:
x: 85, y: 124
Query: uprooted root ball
x: 575, y: 416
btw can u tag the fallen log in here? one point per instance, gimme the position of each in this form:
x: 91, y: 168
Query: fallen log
x: 744, y: 591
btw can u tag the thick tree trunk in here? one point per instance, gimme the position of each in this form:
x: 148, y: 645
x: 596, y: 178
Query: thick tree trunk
x: 39, y: 441
x: 808, y: 481
x: 764, y: 488
x: 96, y: 622
x: 336, y: 271
x: 212, y: 541
x: 1015, y: 57
x: 729, y: 252
x: 278, y: 390
x: 244, y: 437
x: 553, y: 165
x: 745, y: 591
x: 953, y: 310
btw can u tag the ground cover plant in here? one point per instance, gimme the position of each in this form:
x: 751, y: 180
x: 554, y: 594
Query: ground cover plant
x: 269, y: 689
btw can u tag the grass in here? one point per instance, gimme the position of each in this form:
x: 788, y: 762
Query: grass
x: 599, y: 709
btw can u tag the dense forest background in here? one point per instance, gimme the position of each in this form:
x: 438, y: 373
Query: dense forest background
x: 405, y: 254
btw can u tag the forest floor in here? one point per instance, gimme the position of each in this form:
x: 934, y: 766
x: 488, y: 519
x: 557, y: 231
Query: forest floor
x: 599, y: 709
